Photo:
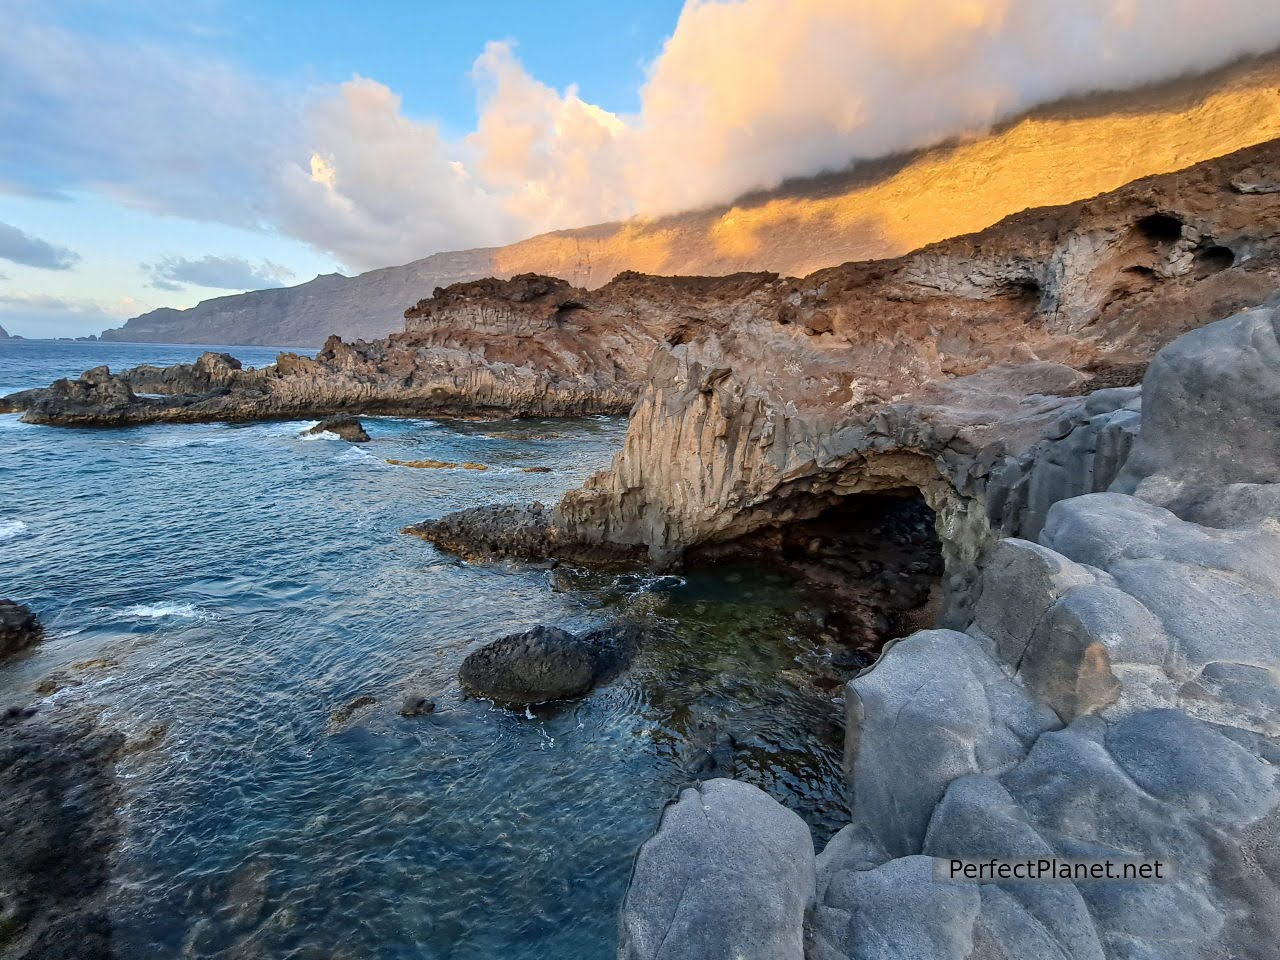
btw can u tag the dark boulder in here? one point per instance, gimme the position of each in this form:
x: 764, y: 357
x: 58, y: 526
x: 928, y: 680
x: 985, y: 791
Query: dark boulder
x: 19, y: 628
x: 416, y: 705
x: 546, y: 663
x: 346, y: 426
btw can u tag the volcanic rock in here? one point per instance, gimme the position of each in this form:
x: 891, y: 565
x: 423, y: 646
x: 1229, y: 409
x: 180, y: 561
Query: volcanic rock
x: 344, y: 425
x: 19, y: 628
x: 546, y: 663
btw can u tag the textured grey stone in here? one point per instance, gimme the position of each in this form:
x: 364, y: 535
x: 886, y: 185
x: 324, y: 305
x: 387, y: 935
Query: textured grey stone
x: 1211, y: 400
x: 1020, y: 582
x: 912, y: 728
x: 729, y: 875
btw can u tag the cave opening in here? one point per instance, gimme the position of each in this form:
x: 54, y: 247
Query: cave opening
x: 870, y: 565
x: 1160, y: 227
x: 1214, y: 259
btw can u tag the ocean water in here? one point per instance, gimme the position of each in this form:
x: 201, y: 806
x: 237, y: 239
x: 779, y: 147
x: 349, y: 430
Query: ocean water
x: 222, y: 590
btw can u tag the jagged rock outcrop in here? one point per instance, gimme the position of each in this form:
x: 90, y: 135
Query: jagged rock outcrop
x: 19, y: 628
x: 781, y: 385
x: 1115, y: 696
x: 1059, y: 153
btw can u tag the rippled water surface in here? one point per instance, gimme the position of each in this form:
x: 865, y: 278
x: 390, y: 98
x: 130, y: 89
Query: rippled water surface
x: 233, y: 586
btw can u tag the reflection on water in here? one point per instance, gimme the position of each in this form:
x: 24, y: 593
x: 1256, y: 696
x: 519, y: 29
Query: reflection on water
x: 235, y: 585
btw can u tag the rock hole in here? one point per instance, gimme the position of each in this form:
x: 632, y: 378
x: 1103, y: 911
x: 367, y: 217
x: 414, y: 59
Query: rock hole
x: 872, y: 562
x: 1213, y: 260
x: 1160, y: 228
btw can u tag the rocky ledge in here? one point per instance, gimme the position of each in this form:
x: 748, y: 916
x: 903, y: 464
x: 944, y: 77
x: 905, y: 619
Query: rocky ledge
x: 777, y: 371
x: 991, y: 375
x: 1114, y: 695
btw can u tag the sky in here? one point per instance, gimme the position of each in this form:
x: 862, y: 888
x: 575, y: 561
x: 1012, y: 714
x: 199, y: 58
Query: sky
x: 157, y: 154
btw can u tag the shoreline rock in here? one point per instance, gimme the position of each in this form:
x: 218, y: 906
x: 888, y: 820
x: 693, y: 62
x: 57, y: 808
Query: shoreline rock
x: 20, y: 628
x: 344, y: 425
x: 545, y: 663
x: 1116, y: 694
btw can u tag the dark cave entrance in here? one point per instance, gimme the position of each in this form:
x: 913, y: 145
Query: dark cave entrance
x: 1160, y: 228
x: 871, y: 563
x: 1213, y: 259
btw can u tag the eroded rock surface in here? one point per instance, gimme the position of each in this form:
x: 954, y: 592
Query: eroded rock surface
x: 19, y: 628
x: 1115, y: 696
x: 994, y: 374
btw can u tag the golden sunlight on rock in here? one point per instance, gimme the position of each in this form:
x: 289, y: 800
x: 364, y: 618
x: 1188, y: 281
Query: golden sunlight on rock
x: 1058, y: 154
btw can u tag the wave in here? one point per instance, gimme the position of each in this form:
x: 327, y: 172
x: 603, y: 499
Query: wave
x: 11, y: 528
x: 322, y: 435
x: 158, y: 611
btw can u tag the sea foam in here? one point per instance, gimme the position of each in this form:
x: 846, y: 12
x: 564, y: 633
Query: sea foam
x: 157, y: 611
x: 11, y: 528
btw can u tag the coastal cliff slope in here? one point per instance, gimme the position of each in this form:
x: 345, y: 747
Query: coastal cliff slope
x: 1057, y: 154
x: 1114, y: 698
x: 754, y: 387
x: 939, y: 372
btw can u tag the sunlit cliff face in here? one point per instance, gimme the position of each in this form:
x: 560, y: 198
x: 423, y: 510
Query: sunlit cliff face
x: 1056, y: 155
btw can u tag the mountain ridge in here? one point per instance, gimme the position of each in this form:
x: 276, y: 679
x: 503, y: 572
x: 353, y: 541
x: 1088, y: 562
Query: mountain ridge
x: 1058, y: 153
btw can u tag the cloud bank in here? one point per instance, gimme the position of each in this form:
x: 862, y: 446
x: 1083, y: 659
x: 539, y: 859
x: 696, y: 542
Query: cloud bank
x: 224, y: 273
x: 20, y: 247
x: 745, y: 94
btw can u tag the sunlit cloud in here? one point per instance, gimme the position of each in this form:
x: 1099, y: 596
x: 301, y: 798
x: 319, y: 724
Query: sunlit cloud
x: 744, y: 94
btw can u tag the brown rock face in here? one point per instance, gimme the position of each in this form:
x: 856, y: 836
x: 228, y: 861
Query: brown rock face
x: 933, y: 372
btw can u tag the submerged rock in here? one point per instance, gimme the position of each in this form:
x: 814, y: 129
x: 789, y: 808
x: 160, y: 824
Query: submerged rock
x: 417, y: 705
x: 344, y: 425
x: 348, y: 710
x: 546, y: 663
x: 19, y: 628
x: 57, y: 831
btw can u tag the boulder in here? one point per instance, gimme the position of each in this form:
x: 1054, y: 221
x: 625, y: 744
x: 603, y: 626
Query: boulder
x: 547, y: 663
x: 729, y: 875
x: 1207, y: 448
x: 19, y: 628
x: 344, y: 425
x: 935, y: 707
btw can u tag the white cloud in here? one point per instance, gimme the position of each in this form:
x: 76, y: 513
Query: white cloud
x: 224, y: 273
x: 18, y: 246
x: 41, y: 315
x: 744, y: 94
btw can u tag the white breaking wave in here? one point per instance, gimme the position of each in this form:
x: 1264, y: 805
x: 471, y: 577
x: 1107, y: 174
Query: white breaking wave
x: 157, y: 611
x: 322, y: 435
x: 11, y: 528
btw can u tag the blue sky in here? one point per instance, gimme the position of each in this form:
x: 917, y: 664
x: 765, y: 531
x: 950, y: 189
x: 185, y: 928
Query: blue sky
x: 422, y: 51
x: 155, y: 153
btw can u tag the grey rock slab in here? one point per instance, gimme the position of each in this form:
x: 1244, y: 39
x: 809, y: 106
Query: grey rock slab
x: 729, y: 875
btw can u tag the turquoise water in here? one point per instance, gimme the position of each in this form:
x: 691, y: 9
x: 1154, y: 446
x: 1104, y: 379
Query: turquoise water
x: 233, y: 586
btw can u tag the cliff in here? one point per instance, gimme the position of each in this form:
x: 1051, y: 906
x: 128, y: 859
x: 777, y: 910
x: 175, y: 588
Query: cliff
x: 939, y: 372
x: 4, y: 334
x: 1113, y: 700
x: 1055, y: 155
x: 756, y: 390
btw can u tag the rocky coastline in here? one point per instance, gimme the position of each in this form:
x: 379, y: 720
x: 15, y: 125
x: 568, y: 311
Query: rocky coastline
x: 1116, y: 694
x: 1096, y: 451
